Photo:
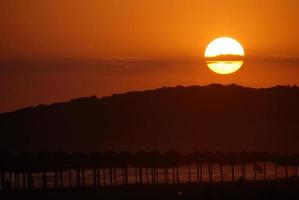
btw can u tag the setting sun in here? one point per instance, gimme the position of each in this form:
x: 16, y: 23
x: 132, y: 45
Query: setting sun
x: 222, y: 53
x: 224, y: 46
x: 224, y: 67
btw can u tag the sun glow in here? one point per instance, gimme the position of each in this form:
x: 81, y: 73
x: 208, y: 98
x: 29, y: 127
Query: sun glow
x: 220, y: 51
x: 225, y: 67
x: 224, y: 46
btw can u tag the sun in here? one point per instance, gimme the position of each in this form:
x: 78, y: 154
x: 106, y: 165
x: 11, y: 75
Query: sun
x: 224, y: 46
x: 224, y: 55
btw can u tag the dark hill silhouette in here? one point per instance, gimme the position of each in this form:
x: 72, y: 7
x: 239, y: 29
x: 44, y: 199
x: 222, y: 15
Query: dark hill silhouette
x: 208, y: 118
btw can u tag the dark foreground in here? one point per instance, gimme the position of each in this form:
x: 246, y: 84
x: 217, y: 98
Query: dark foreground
x: 284, y: 190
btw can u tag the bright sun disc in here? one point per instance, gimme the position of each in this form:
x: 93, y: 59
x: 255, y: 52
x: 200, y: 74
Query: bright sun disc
x: 224, y: 46
x: 224, y: 55
x: 225, y: 67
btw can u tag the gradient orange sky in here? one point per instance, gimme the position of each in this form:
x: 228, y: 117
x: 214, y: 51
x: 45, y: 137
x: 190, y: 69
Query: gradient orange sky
x: 144, y: 28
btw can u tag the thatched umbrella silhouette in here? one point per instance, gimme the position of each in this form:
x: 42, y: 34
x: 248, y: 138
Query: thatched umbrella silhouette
x: 275, y: 158
x: 139, y: 161
x: 154, y: 162
x: 6, y: 160
x: 209, y: 159
x: 94, y: 162
x: 232, y: 160
x: 173, y: 159
x: 27, y: 165
x: 189, y: 160
x: 110, y: 159
x: 78, y: 164
x: 44, y: 163
x: 261, y: 157
x: 295, y: 163
x: 125, y: 158
x: 288, y: 161
x: 220, y: 159
x: 244, y: 159
x: 60, y: 158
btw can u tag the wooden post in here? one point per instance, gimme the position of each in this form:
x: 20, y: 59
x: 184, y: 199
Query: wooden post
x: 126, y: 175
x: 77, y: 177
x: 94, y: 177
x: 210, y: 169
x: 244, y: 171
x: 173, y: 175
x: 83, y: 176
x: 10, y: 178
x: 114, y: 175
x: 255, y: 174
x: 153, y: 175
x: 265, y: 170
x: 140, y: 175
x: 233, y: 173
x: 167, y: 177
x: 177, y: 175
x: 157, y: 175
x: 2, y: 179
x: 61, y: 178
x: 275, y: 171
x: 30, y: 180
x: 221, y: 172
x: 123, y: 175
x: 209, y: 172
x: 197, y: 172
x: 146, y: 173
x: 44, y: 180
x: 70, y: 177
x: 104, y: 176
x: 98, y: 177
x: 200, y: 172
x: 110, y: 176
x: 55, y: 179
x: 189, y: 172
x: 16, y: 180
x: 24, y: 180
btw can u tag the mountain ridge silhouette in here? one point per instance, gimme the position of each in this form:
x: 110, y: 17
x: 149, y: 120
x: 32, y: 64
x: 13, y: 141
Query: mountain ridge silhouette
x: 204, y: 118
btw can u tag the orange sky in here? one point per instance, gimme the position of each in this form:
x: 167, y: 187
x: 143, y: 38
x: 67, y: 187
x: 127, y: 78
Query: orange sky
x: 161, y: 40
x: 145, y: 28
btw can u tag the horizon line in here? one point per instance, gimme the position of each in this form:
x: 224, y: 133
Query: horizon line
x: 251, y: 57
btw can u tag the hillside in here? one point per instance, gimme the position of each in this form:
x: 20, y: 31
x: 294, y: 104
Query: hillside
x: 203, y: 118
